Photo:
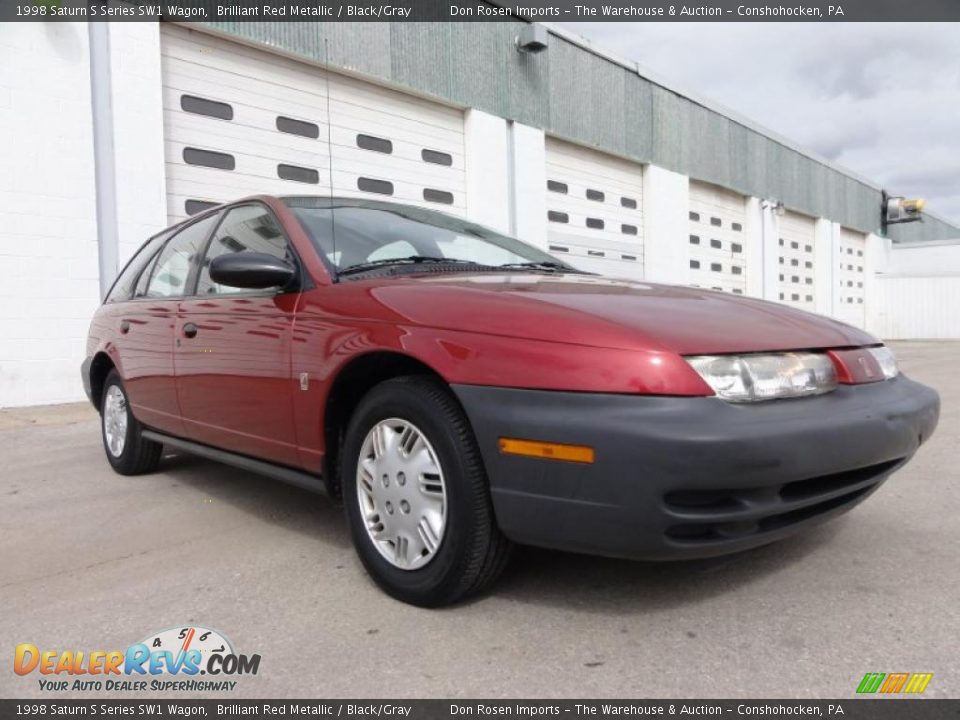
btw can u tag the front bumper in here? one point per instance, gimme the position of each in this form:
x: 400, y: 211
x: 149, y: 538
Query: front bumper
x: 680, y: 477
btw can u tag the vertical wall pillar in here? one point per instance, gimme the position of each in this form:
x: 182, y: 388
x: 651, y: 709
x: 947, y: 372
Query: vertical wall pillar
x: 528, y: 160
x: 101, y: 101
x: 876, y: 260
x: 666, y: 204
x: 770, y: 249
x: 753, y: 246
x: 488, y: 169
x: 826, y: 254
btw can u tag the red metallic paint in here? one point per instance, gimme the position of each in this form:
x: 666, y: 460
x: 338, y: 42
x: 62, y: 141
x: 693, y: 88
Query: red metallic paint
x: 233, y: 378
x: 143, y: 356
x: 236, y: 385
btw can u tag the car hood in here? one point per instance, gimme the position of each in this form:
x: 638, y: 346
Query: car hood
x: 602, y: 312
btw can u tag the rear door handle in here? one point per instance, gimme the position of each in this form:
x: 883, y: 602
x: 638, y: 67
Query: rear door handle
x: 124, y: 326
x: 190, y: 330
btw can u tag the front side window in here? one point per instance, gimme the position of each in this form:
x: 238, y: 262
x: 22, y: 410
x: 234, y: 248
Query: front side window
x: 378, y: 232
x: 249, y: 228
x: 172, y: 270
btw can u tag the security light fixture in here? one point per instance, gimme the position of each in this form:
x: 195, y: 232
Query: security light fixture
x: 901, y: 210
x: 533, y: 39
x: 776, y: 205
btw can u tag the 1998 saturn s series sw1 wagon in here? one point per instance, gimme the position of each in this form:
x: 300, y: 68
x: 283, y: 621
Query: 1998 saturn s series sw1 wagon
x: 461, y: 390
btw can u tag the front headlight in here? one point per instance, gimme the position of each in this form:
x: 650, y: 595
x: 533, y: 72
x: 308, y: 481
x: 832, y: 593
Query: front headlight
x: 886, y: 360
x: 749, y: 378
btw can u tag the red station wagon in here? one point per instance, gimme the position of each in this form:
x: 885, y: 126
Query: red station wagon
x: 461, y: 390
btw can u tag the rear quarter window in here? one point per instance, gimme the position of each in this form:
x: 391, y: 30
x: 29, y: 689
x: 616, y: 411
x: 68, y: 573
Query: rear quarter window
x: 123, y: 286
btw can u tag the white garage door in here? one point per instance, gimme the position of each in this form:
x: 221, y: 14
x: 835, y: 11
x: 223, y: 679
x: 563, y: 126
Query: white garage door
x: 241, y: 121
x: 717, y: 257
x: 594, y: 210
x: 797, y: 264
x: 853, y: 250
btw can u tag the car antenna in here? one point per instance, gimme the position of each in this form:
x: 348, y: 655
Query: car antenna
x: 333, y: 224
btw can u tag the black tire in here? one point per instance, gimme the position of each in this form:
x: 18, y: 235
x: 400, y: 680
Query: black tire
x: 473, y: 551
x: 139, y: 455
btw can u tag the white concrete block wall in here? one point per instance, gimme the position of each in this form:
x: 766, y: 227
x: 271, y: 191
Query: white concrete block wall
x: 826, y: 252
x: 770, y: 239
x: 666, y: 204
x: 48, y: 247
x: 912, y: 291
x: 529, y: 203
x: 487, y: 159
x: 753, y: 246
x: 137, y: 108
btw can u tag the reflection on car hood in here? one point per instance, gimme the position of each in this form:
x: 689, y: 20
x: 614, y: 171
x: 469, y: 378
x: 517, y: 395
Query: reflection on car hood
x: 602, y: 312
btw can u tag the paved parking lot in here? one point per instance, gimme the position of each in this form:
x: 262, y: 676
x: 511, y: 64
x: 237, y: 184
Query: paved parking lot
x: 95, y: 561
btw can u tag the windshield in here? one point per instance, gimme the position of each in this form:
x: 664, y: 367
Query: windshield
x: 375, y: 234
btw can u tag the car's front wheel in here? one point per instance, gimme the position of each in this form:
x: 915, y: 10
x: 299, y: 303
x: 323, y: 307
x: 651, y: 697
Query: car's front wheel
x: 128, y: 452
x: 416, y: 494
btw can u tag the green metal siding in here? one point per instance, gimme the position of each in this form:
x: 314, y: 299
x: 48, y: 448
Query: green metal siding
x: 930, y: 229
x: 578, y: 95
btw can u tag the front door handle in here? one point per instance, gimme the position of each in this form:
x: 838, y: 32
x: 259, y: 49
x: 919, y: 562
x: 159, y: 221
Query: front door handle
x: 124, y: 326
x: 190, y: 330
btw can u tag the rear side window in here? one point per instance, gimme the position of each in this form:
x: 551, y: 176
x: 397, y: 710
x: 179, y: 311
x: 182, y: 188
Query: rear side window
x: 123, y: 286
x: 172, y: 269
x: 248, y: 228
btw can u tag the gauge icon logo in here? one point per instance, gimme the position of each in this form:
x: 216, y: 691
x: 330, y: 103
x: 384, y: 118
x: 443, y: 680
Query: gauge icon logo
x: 185, y: 638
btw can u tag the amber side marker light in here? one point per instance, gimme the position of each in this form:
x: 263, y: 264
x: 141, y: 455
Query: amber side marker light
x: 547, y: 451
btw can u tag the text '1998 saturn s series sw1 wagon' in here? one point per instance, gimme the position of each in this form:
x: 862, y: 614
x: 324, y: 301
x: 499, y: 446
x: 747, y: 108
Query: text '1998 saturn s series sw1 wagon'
x: 461, y: 391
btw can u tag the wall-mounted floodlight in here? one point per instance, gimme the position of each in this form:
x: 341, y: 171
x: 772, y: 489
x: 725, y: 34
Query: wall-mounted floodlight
x: 902, y: 210
x: 533, y: 39
x: 776, y: 205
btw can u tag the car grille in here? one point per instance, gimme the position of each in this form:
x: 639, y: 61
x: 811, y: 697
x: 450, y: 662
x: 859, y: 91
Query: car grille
x: 714, y: 516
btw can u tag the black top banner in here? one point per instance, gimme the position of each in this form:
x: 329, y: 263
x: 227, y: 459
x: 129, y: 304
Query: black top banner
x: 481, y: 10
x: 888, y: 709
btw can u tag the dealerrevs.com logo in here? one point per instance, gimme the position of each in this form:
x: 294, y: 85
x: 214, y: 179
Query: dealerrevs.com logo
x: 169, y: 660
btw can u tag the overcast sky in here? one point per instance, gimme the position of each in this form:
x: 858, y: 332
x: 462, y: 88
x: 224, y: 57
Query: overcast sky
x: 879, y: 98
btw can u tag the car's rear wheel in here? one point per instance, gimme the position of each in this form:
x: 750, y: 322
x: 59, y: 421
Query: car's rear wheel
x: 416, y: 494
x: 128, y: 452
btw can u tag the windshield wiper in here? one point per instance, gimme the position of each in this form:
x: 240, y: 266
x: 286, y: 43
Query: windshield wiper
x: 541, y: 265
x: 409, y: 260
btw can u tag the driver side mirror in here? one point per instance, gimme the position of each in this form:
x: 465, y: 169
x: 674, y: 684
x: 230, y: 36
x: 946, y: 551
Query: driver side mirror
x: 251, y: 270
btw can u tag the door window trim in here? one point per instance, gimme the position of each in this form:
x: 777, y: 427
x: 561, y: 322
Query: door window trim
x: 301, y: 282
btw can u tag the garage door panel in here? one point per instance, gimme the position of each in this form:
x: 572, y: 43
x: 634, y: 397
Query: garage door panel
x: 606, y: 262
x: 345, y: 130
x: 355, y: 97
x: 257, y: 139
x: 797, y: 261
x: 598, y: 241
x: 716, y: 239
x: 588, y: 223
x: 193, y: 52
x: 305, y: 95
x: 851, y: 277
x: 257, y: 174
x: 260, y: 87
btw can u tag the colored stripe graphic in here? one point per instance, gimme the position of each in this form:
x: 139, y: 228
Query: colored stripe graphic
x: 870, y: 683
x: 918, y: 682
x: 894, y: 682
